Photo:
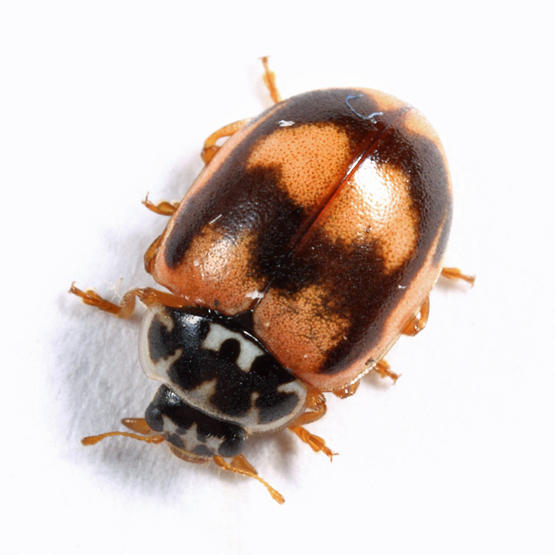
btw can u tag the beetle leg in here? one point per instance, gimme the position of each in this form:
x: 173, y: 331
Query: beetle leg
x: 317, y: 443
x: 270, y: 80
x: 418, y: 322
x: 138, y: 425
x: 455, y: 273
x: 346, y: 391
x: 209, y: 148
x: 383, y: 369
x: 316, y: 405
x: 150, y: 254
x: 147, y: 296
x: 241, y: 465
x: 164, y: 208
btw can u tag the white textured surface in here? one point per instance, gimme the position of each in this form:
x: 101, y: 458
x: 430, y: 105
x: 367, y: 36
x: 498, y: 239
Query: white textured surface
x: 102, y: 102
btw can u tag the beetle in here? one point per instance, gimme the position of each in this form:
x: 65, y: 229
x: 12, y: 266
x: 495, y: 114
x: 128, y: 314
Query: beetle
x: 306, y: 246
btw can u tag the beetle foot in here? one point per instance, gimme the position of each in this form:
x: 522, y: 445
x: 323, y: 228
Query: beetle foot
x: 383, y: 369
x: 418, y: 322
x: 315, y: 442
x: 164, y: 208
x: 210, y: 147
x: 455, y: 273
x: 241, y: 465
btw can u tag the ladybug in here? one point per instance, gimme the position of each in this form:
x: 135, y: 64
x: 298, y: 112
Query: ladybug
x: 306, y: 246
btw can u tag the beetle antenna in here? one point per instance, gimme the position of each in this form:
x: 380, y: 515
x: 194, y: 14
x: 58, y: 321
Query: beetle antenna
x: 91, y: 440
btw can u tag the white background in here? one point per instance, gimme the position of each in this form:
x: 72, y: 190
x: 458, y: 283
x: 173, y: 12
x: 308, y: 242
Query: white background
x: 104, y: 101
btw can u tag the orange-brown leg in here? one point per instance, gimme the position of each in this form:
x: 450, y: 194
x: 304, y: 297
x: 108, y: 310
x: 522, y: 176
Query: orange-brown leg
x: 147, y: 295
x: 164, y: 208
x: 240, y: 465
x: 455, y: 273
x: 418, y: 322
x: 270, y: 80
x: 210, y: 147
x: 316, y: 405
x: 347, y: 391
x: 383, y: 369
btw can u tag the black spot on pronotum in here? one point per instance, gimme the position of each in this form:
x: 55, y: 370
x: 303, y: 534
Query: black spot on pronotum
x: 230, y: 349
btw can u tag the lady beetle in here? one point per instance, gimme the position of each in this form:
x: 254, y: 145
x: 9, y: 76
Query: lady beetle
x: 307, y: 245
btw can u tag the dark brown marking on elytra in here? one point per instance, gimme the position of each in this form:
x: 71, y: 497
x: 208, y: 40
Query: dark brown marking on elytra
x: 238, y: 198
x: 358, y: 286
x: 246, y: 201
x: 444, y: 235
